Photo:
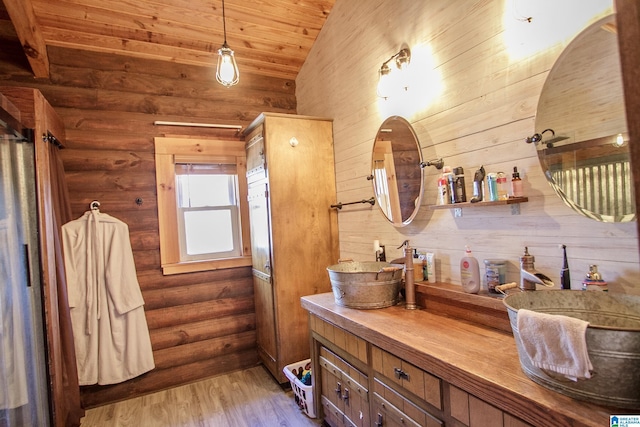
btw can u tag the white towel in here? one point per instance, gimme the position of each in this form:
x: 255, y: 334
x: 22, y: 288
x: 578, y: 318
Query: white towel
x: 556, y: 343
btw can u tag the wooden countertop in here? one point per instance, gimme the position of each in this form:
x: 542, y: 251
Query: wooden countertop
x: 480, y: 360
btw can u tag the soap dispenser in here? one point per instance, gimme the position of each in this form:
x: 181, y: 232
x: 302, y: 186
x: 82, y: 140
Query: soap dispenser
x: 527, y: 264
x: 470, y: 273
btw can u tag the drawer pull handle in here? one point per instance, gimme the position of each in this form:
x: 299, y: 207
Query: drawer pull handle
x: 345, y: 396
x: 378, y: 423
x: 338, y: 389
x: 400, y: 374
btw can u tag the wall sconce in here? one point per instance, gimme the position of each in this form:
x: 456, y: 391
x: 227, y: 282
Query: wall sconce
x: 227, y: 70
x: 394, y: 78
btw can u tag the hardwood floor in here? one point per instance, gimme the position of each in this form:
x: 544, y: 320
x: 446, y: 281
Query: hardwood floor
x: 244, y: 398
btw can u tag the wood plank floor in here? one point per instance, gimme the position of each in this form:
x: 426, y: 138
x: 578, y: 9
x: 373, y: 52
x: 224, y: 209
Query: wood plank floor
x: 249, y: 398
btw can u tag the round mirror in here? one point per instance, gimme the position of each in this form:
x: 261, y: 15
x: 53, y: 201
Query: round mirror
x: 582, y: 140
x: 395, y: 171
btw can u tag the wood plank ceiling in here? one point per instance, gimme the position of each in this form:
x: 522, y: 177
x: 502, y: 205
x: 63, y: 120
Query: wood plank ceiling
x: 269, y: 37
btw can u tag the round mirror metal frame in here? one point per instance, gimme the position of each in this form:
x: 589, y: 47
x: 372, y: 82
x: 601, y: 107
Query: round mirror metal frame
x: 396, y: 172
x: 582, y: 140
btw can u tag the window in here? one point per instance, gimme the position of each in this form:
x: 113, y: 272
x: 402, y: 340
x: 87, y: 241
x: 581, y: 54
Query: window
x: 202, y: 209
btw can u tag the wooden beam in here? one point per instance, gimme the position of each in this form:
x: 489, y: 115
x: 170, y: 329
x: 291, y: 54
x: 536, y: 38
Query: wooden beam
x: 30, y: 35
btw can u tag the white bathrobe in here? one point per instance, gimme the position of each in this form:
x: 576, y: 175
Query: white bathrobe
x: 109, y: 326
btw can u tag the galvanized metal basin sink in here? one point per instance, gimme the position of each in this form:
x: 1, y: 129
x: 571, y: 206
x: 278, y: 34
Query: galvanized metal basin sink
x: 365, y: 285
x: 612, y: 337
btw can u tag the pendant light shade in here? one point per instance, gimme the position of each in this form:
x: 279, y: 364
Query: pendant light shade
x: 227, y: 70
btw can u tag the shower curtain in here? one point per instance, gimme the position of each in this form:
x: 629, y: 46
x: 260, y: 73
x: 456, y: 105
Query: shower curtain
x: 23, y: 381
x: 13, y: 298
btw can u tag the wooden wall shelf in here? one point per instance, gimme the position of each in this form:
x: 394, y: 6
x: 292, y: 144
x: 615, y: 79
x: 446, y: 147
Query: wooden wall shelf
x: 457, y: 207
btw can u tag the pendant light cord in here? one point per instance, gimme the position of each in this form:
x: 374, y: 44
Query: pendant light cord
x: 224, y: 24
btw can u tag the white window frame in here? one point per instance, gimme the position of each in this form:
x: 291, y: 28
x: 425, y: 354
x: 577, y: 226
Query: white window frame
x: 170, y: 151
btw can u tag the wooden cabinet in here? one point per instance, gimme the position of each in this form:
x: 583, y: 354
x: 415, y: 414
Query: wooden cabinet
x: 403, y: 394
x: 359, y: 383
x: 294, y: 231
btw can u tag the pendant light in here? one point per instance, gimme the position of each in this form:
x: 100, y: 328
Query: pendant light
x: 227, y: 70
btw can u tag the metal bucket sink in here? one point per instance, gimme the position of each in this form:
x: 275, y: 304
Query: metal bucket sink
x: 365, y: 285
x: 613, y: 343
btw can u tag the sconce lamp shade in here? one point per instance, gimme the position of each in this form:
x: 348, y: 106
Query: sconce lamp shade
x: 227, y: 70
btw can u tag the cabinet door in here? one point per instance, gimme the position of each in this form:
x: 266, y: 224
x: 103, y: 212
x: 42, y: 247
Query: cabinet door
x: 265, y: 322
x: 262, y: 280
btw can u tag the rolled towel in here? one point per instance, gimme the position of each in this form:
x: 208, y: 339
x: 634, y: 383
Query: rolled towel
x: 556, y: 343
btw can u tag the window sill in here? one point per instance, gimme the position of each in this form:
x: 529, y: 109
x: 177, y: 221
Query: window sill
x: 194, y: 266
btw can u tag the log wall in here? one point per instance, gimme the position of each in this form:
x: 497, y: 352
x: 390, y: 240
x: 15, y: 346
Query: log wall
x: 201, y: 324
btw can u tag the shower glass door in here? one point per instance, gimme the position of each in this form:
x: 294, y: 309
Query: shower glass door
x: 23, y: 378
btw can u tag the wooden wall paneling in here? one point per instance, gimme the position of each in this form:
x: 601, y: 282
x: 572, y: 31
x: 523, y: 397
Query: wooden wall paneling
x: 173, y: 336
x: 189, y: 294
x: 187, y: 353
x: 193, y: 312
x: 485, y: 108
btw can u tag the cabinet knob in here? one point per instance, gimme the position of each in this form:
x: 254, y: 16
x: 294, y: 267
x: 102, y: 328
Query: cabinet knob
x: 338, y: 389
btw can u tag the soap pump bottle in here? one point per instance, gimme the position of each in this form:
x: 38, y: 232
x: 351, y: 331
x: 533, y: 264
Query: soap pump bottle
x: 470, y: 273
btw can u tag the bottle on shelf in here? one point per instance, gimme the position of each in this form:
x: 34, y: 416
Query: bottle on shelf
x: 443, y: 186
x: 516, y: 183
x: 460, y: 185
x: 501, y: 181
x: 492, y: 184
x: 470, y: 273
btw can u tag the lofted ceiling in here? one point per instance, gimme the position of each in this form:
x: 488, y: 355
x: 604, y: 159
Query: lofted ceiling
x: 270, y: 37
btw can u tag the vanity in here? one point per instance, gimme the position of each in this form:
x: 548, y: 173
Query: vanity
x: 399, y: 367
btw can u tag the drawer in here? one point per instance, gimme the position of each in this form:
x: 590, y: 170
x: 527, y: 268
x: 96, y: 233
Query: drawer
x: 344, y: 340
x: 392, y: 409
x: 356, y: 386
x: 408, y: 376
